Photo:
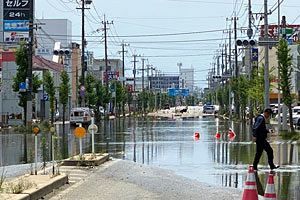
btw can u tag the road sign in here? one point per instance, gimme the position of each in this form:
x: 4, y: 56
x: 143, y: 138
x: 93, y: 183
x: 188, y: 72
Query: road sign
x: 79, y: 132
x: 185, y: 92
x: 45, y: 97
x: 173, y: 92
x: 93, y: 127
x: 82, y: 88
x: 22, y: 87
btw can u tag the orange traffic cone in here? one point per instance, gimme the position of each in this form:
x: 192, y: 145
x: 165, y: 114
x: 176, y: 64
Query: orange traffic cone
x: 250, y: 191
x: 270, y: 193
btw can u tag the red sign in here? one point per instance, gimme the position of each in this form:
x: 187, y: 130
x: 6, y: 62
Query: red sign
x: 111, y: 75
x: 273, y: 30
x: 130, y: 88
x: 7, y: 56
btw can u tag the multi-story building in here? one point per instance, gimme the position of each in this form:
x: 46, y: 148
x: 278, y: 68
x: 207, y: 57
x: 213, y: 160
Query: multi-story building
x: 186, y: 78
x: 273, y: 65
x: 51, y: 31
x: 163, y: 82
x: 9, y: 99
x: 114, y: 69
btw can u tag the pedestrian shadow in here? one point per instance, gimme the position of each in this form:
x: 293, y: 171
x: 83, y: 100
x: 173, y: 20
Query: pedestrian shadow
x: 260, y: 189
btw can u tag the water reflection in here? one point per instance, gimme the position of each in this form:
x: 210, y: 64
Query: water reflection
x: 171, y: 145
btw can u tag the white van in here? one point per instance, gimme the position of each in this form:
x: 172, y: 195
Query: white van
x: 81, y: 115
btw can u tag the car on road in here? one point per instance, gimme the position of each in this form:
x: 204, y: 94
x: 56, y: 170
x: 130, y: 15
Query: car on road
x: 81, y: 115
x: 208, y: 109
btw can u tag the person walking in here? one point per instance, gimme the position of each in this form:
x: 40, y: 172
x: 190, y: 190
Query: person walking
x: 260, y: 133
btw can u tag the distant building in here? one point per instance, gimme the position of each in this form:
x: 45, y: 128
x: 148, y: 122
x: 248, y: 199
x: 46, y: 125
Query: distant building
x: 163, y: 82
x: 114, y: 69
x: 51, y: 31
x: 186, y: 78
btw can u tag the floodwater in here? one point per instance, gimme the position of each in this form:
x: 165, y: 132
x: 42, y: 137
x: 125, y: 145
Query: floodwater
x: 172, y: 145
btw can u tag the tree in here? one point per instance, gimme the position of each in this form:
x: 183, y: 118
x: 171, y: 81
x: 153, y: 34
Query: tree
x: 285, y: 71
x: 22, y: 62
x: 90, y: 93
x: 50, y: 89
x: 64, y: 90
x: 121, y: 96
x: 103, y: 96
x: 256, y: 88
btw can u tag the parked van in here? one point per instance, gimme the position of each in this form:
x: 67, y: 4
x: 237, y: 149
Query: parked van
x: 208, y: 109
x: 81, y: 115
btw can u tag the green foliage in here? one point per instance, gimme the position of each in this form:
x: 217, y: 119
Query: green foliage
x: 256, y: 87
x: 22, y: 62
x: 44, y: 150
x: 151, y: 101
x: 64, y: 88
x: 285, y: 71
x: 294, y: 136
x: 90, y: 92
x: 102, y: 93
x: 50, y: 89
x: 191, y: 100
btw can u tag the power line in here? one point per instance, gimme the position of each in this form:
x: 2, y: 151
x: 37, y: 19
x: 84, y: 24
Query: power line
x: 167, y: 56
x: 180, y: 41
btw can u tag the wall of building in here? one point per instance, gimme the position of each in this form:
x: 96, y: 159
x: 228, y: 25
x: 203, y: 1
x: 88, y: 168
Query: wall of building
x: 76, y: 73
x: 164, y: 82
x: 1, y: 25
x: 9, y: 98
x: 51, y: 31
x: 186, y: 78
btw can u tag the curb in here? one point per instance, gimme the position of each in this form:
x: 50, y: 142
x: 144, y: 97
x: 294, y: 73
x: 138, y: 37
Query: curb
x: 96, y: 162
x: 46, y: 188
x: 43, y: 188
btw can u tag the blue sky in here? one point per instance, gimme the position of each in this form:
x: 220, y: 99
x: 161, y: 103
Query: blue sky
x: 156, y: 17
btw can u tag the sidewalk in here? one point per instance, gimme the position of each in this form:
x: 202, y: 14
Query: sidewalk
x: 126, y: 180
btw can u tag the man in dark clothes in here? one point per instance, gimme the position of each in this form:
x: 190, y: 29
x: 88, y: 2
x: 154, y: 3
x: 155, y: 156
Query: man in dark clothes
x: 260, y: 133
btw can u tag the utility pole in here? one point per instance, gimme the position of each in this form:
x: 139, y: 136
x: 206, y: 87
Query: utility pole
x: 222, y: 62
x: 123, y: 61
x: 236, y: 98
x: 226, y: 55
x: 230, y: 71
x: 83, y: 43
x: 143, y: 68
x: 235, y: 48
x: 134, y: 81
x: 250, y: 34
x: 105, y: 23
x: 266, y: 66
x: 278, y: 81
x: 29, y: 71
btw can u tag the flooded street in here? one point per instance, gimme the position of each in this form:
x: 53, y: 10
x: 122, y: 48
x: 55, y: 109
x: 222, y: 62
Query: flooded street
x: 171, y: 145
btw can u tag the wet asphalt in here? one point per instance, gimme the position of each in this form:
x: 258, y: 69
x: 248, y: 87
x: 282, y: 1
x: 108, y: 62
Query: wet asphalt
x: 127, y: 180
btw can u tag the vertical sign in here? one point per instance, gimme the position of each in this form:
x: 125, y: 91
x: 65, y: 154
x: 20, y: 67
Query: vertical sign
x: 254, y: 58
x: 16, y: 15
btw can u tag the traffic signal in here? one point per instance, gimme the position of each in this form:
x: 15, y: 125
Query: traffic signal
x: 217, y: 77
x: 245, y: 42
x: 62, y: 52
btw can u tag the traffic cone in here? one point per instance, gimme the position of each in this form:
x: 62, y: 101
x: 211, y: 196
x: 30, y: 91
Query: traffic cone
x: 218, y: 135
x: 250, y: 191
x: 270, y: 193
